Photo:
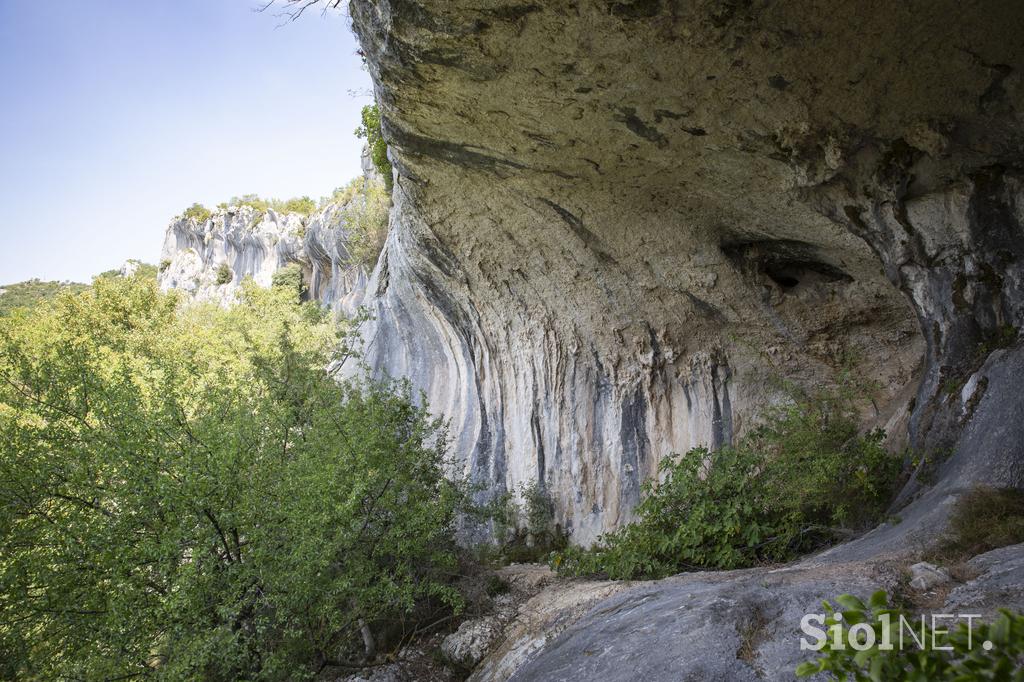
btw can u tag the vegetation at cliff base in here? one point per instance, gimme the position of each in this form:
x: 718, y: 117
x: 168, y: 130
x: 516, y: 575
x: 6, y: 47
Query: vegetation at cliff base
x: 523, y: 526
x: 188, y: 494
x: 803, y: 479
x: 289, y: 279
x: 224, y: 274
x: 371, y: 131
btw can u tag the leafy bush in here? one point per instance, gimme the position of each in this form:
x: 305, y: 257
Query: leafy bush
x: 370, y: 129
x: 965, y: 659
x: 164, y: 264
x: 196, y: 212
x: 189, y: 495
x: 289, y: 279
x: 224, y: 274
x: 366, y: 224
x: 800, y: 481
x: 252, y: 201
x: 983, y: 519
x: 304, y: 206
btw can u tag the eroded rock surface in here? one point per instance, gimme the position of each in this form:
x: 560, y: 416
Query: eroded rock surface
x: 716, y: 626
x: 208, y: 260
x: 616, y: 223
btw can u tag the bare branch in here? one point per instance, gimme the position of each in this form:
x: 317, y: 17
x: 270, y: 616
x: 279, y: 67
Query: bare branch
x: 293, y: 9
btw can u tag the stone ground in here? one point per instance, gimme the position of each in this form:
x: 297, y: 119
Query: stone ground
x: 719, y: 625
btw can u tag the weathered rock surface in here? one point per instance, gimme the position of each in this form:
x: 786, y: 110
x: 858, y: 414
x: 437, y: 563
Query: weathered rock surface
x: 616, y: 223
x: 256, y: 244
x: 471, y: 642
x: 925, y: 576
x: 730, y: 625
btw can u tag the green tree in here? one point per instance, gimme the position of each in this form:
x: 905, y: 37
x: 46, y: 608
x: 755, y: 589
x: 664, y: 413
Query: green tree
x: 289, y: 279
x: 224, y: 274
x: 196, y: 212
x: 366, y: 223
x: 301, y: 205
x: 188, y: 494
x: 371, y: 131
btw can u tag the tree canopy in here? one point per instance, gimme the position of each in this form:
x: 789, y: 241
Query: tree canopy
x: 189, y: 494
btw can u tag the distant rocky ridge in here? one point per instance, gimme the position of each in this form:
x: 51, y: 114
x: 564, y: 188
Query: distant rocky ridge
x: 209, y: 259
x: 33, y: 291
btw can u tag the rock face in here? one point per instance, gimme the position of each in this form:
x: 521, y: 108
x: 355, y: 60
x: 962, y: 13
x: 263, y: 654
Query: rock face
x: 717, y: 626
x: 616, y: 223
x: 208, y: 260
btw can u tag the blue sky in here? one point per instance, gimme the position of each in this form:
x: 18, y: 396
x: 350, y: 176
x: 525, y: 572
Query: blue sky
x: 117, y: 114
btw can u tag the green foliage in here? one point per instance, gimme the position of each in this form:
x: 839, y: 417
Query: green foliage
x: 224, y: 274
x: 29, y: 294
x: 798, y: 482
x: 252, y: 201
x: 142, y: 270
x: 34, y: 291
x: 370, y: 129
x: 301, y: 205
x: 365, y: 218
x: 344, y: 194
x: 289, y: 279
x: 539, y: 510
x: 189, y: 495
x: 983, y: 519
x: 966, y: 658
x: 164, y: 264
x: 524, y: 525
x: 304, y: 206
x: 196, y: 212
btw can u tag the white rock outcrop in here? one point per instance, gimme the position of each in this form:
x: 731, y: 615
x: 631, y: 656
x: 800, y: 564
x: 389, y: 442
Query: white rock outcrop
x: 209, y: 260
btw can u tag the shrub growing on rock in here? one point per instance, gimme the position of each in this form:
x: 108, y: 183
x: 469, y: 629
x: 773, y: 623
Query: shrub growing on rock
x: 802, y: 480
x: 366, y: 224
x: 301, y: 205
x: 983, y: 519
x: 189, y: 495
x: 196, y: 212
x: 370, y: 129
x: 224, y: 274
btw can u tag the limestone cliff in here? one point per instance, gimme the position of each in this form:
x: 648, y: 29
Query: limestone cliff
x: 616, y: 222
x: 209, y: 259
